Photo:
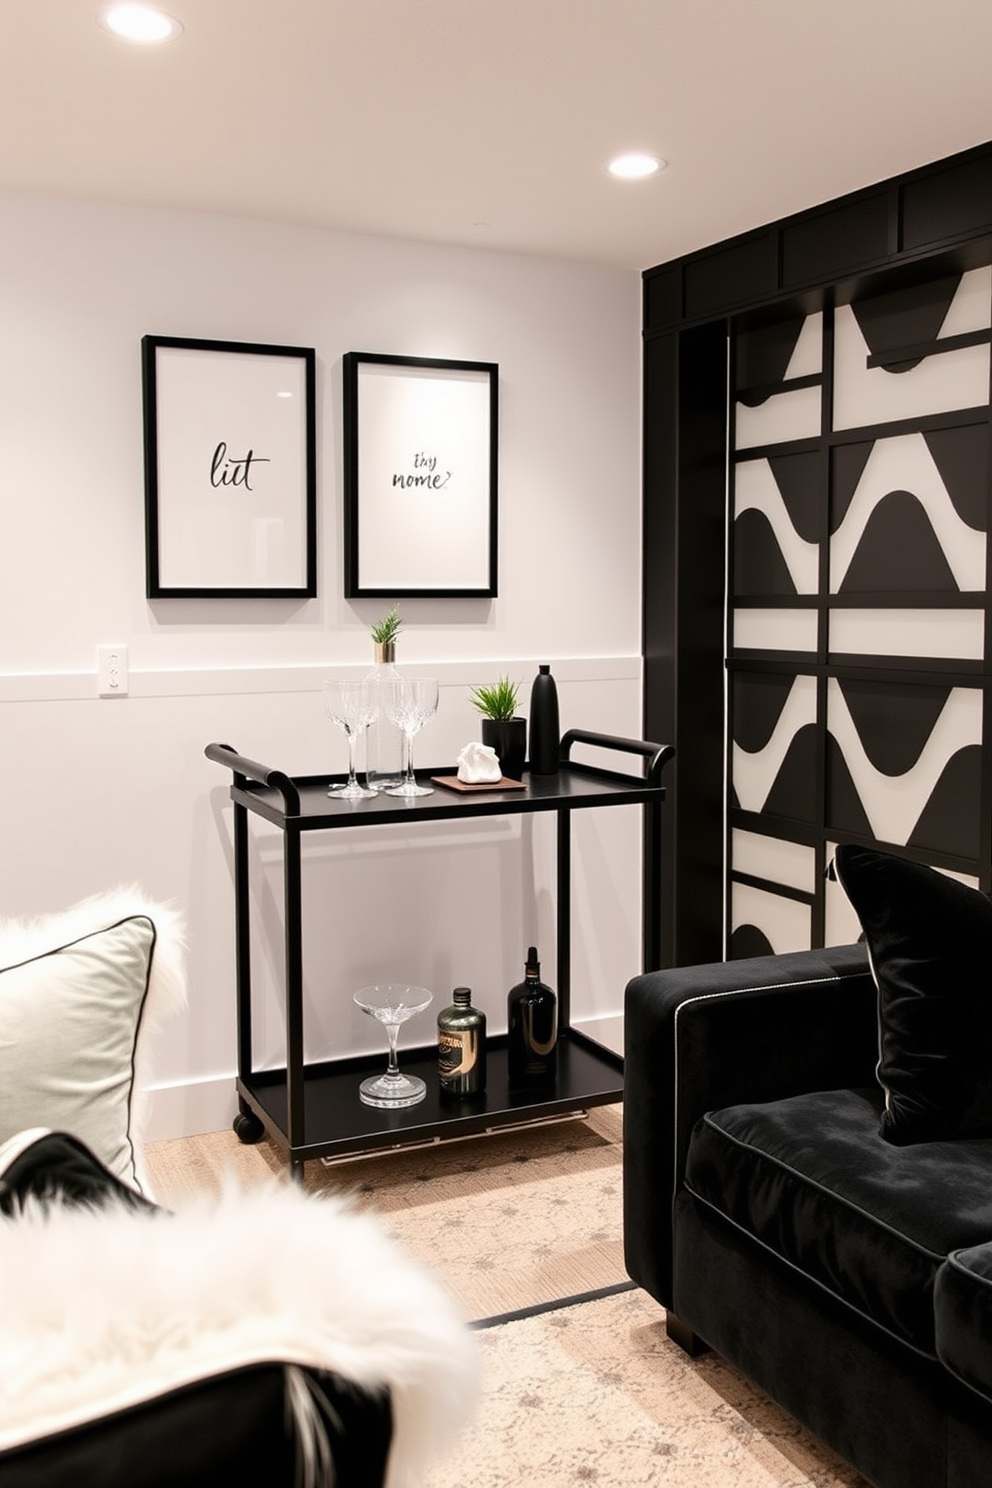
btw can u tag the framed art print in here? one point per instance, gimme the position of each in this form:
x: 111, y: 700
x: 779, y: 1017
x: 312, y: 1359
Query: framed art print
x: 230, y: 469
x: 420, y: 471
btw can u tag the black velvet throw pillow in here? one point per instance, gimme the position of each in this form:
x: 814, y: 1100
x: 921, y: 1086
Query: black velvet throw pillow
x: 930, y: 944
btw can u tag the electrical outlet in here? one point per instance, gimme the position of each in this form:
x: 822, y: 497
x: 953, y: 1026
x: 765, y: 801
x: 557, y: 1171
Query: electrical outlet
x: 111, y: 671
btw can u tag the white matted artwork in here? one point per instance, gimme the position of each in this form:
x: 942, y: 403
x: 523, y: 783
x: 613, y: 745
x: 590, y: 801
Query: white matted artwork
x: 420, y: 466
x: 230, y: 469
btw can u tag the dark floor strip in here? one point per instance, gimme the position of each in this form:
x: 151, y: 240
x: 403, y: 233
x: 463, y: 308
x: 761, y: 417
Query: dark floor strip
x: 556, y: 1306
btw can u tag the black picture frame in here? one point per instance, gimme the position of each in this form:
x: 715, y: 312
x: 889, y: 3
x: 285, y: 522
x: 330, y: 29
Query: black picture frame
x: 421, y: 440
x: 230, y: 469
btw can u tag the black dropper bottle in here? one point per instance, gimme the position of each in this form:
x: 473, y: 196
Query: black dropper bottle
x: 532, y: 1029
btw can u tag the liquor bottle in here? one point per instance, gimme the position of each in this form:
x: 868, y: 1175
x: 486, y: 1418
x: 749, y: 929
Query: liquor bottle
x: 461, y: 1046
x: 383, y: 740
x: 532, y: 1029
x: 545, y: 736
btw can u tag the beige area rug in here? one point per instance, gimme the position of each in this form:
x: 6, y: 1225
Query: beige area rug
x: 597, y: 1394
x: 508, y: 1221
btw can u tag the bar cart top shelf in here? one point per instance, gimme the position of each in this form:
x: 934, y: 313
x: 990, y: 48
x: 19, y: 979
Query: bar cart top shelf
x: 303, y: 802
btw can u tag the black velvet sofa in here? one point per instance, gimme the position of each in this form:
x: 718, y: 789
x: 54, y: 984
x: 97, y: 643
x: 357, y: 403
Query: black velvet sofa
x: 808, y: 1174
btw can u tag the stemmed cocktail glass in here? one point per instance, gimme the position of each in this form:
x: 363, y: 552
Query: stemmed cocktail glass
x: 410, y: 703
x: 391, y: 1004
x: 351, y: 707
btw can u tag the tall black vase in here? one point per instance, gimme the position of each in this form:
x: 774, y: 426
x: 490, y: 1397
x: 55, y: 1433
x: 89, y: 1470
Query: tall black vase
x: 508, y: 736
x: 545, y: 730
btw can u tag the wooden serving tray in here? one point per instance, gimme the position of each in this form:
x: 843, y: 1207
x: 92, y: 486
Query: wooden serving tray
x: 451, y: 782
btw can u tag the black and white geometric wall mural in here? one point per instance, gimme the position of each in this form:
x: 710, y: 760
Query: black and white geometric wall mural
x: 858, y: 617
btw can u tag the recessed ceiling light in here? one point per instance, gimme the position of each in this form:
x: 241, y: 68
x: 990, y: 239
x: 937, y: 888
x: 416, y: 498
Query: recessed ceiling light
x: 634, y: 167
x: 139, y: 22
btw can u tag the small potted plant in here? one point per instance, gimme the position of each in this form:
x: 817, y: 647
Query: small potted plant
x: 384, y: 747
x: 502, y: 729
x: 384, y: 634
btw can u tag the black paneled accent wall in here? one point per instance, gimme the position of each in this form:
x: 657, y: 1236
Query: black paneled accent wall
x: 817, y: 621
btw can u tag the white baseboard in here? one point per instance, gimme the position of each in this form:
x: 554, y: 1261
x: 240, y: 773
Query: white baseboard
x: 606, y: 1030
x: 190, y: 1108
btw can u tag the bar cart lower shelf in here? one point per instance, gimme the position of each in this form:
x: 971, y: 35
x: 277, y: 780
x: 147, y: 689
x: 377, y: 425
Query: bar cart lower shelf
x: 314, y: 1110
x: 338, y: 1124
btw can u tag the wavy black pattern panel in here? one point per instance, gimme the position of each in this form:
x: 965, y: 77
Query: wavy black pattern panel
x: 748, y: 940
x: 898, y: 551
x: 794, y: 792
x: 950, y: 823
x: 909, y: 513
x: 898, y: 511
x: 799, y: 481
x: 893, y: 723
x: 905, y: 317
x: 758, y: 701
x: 763, y: 356
x: 962, y: 457
x: 897, y: 748
x: 759, y: 566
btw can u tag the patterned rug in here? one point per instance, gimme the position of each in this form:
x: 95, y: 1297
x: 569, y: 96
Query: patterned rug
x: 591, y: 1392
x: 508, y: 1221
x: 595, y: 1393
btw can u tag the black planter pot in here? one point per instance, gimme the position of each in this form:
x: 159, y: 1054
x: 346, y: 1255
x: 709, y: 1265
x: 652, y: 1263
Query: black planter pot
x: 508, y: 737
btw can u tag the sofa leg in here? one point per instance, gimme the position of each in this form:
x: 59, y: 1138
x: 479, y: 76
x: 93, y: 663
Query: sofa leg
x: 680, y: 1333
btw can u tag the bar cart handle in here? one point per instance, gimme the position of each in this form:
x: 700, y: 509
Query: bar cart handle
x: 658, y: 755
x: 247, y: 769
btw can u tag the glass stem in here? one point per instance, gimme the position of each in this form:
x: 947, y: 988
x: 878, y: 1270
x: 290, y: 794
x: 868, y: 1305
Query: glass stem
x: 392, y: 1034
x: 352, y: 778
x: 411, y: 779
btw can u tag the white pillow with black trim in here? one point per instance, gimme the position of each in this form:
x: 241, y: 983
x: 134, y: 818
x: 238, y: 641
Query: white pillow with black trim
x: 80, y: 993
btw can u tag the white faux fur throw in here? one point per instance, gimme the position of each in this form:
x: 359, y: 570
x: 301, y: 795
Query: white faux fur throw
x: 105, y: 1309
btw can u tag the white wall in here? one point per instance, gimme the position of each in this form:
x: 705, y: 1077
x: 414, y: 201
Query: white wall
x: 103, y: 791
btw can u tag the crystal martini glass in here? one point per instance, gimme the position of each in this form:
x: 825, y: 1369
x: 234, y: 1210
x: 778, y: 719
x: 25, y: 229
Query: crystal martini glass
x: 391, y: 1004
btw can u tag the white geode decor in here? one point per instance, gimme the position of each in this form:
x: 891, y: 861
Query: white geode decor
x: 478, y: 765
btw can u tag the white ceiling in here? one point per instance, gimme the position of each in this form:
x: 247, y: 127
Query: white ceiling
x: 487, y: 122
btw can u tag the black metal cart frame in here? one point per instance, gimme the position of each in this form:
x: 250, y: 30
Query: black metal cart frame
x: 313, y: 1110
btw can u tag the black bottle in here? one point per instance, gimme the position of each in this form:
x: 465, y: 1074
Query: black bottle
x: 532, y: 1029
x: 461, y: 1046
x: 545, y: 736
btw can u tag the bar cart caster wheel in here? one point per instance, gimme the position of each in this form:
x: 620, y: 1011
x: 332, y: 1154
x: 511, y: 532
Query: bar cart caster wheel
x: 248, y: 1129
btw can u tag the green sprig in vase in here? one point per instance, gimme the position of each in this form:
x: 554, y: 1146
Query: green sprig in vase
x: 383, y: 740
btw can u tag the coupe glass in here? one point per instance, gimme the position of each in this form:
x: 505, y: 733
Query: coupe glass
x: 392, y: 1003
x: 409, y: 704
x: 351, y: 707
